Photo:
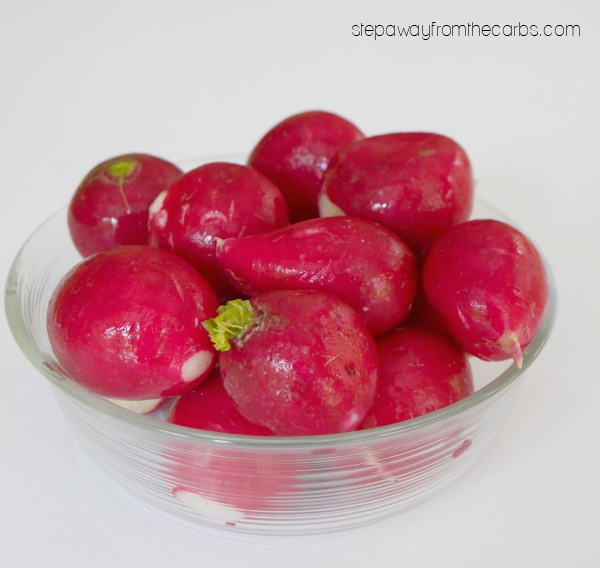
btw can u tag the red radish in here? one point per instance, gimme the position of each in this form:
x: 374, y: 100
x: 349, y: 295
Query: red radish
x: 230, y: 485
x: 488, y: 282
x: 299, y: 361
x: 417, y: 184
x: 110, y: 206
x: 213, y: 202
x: 295, y: 153
x: 420, y: 371
x: 126, y: 323
x: 209, y: 407
x: 363, y: 263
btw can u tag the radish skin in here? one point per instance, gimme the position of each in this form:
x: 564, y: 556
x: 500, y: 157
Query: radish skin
x: 295, y: 153
x: 209, y: 407
x: 363, y: 263
x: 420, y: 371
x: 213, y: 202
x: 126, y: 323
x: 418, y: 184
x: 110, y: 206
x: 489, y: 284
x: 298, y: 362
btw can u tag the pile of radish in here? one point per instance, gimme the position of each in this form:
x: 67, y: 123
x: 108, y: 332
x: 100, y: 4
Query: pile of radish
x: 334, y: 282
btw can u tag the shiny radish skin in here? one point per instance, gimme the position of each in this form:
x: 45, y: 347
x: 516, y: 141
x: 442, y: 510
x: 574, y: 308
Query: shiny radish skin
x: 212, y: 202
x: 110, y: 206
x: 418, y: 184
x: 295, y: 153
x: 421, y: 371
x: 127, y: 324
x: 298, y: 362
x: 489, y: 284
x: 210, y: 407
x: 363, y: 263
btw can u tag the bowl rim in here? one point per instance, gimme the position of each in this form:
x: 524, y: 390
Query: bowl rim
x: 20, y: 332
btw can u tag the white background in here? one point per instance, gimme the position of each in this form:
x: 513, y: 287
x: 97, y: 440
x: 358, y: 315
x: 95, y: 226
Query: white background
x: 83, y: 81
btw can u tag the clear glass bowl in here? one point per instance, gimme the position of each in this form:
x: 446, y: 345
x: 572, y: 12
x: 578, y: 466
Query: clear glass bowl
x: 263, y: 485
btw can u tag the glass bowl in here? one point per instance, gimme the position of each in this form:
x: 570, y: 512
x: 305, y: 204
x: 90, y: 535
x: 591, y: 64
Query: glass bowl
x: 265, y: 485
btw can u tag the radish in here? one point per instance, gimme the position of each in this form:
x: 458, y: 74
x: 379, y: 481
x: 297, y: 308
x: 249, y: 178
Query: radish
x: 212, y: 202
x: 420, y: 371
x: 110, y: 206
x: 295, y: 153
x: 489, y: 284
x: 417, y: 184
x: 209, y: 407
x: 126, y: 323
x: 296, y: 361
x: 363, y: 263
x: 230, y: 485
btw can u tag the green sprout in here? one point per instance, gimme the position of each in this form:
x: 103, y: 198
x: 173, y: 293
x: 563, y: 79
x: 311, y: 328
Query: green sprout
x: 233, y: 319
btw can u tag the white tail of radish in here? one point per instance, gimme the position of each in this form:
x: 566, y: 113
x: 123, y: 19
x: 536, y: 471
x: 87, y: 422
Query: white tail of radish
x: 509, y: 343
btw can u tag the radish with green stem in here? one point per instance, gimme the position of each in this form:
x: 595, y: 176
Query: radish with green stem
x: 110, y: 206
x: 298, y: 362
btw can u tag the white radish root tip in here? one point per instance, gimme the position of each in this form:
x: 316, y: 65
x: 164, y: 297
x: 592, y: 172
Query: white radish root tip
x: 328, y: 208
x: 196, y: 365
x: 510, y: 344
